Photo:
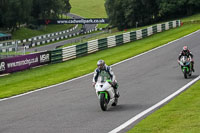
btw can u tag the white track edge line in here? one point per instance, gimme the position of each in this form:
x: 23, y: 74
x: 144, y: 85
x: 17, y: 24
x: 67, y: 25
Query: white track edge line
x: 92, y: 72
x: 138, y: 116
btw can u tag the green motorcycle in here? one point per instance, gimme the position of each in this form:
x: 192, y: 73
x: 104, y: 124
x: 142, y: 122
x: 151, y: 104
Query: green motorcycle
x: 186, y: 68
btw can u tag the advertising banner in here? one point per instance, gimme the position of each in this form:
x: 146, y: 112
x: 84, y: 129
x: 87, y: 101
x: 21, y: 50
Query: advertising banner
x: 75, y: 21
x: 23, y: 62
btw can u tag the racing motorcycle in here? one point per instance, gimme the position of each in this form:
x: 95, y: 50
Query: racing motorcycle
x: 185, y: 63
x: 106, y: 95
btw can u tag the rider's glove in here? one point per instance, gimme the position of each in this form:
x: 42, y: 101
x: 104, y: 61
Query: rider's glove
x: 178, y: 62
x: 93, y: 84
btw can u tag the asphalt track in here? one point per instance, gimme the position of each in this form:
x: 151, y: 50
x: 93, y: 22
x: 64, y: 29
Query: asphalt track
x: 72, y: 107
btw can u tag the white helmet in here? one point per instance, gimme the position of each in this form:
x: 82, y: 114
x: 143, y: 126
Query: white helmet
x: 101, y: 64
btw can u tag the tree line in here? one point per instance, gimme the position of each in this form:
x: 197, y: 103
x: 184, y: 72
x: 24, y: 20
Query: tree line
x: 131, y: 13
x: 14, y: 13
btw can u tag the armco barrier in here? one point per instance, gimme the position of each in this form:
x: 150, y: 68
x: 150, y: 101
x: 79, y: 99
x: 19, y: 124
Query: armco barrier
x: 133, y: 36
x: 119, y: 39
x: 8, y: 46
x: 102, y: 44
x: 48, y: 35
x: 144, y: 33
x: 56, y: 56
x: 170, y: 25
x: 93, y: 46
x: 139, y: 34
x: 149, y: 31
x: 154, y: 29
x: 111, y: 41
x: 126, y: 37
x: 81, y: 49
x: 163, y: 27
x: 69, y: 53
x: 23, y: 62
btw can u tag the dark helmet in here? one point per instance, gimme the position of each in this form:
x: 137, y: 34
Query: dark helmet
x: 185, y: 48
x: 101, y: 64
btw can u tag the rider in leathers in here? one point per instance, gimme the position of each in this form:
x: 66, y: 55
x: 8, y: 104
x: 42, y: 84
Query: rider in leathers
x: 103, y: 73
x: 186, y: 52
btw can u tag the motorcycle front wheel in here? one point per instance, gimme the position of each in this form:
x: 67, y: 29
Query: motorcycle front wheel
x: 103, y: 102
x: 185, y: 73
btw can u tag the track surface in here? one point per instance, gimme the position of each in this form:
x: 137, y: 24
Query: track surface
x: 73, y: 107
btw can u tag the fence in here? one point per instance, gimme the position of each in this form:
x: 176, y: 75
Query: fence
x: 112, y: 41
x: 8, y: 46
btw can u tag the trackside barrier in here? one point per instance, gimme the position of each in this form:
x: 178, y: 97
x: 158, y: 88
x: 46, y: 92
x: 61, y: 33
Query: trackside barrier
x: 92, y: 46
x: 126, y: 37
x: 55, y: 34
x: 149, y: 31
x: 69, y: 53
x: 133, y: 36
x: 8, y: 46
x: 23, y: 62
x: 112, y: 41
x: 119, y: 39
x: 144, y: 33
x: 154, y: 29
x: 102, y: 44
x: 38, y: 40
x: 81, y: 49
x: 56, y: 56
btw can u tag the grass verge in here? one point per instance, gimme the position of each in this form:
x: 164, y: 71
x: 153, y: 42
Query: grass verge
x: 96, y: 8
x: 28, y: 80
x: 181, y: 115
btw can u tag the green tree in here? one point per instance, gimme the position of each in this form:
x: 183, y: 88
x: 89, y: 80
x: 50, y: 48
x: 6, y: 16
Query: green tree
x: 129, y: 13
x: 178, y: 8
x: 14, y: 13
x: 51, y: 9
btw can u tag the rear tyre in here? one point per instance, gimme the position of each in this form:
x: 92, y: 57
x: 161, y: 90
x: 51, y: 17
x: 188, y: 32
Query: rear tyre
x: 103, y: 102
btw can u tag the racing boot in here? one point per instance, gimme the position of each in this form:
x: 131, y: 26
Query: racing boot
x: 115, y: 87
x: 116, y: 91
x: 192, y: 66
x: 193, y: 69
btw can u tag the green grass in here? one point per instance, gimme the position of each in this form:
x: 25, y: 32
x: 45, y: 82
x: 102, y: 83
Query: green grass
x: 24, y: 81
x: 181, y: 115
x: 191, y: 18
x: 89, y: 8
x: 25, y: 33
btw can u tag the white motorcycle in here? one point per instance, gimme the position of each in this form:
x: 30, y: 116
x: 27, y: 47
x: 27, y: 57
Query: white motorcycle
x: 106, y: 94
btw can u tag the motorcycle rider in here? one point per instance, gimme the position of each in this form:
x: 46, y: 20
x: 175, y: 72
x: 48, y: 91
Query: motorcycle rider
x: 188, y: 53
x: 103, y: 73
